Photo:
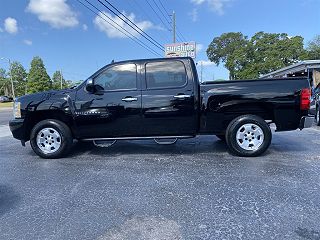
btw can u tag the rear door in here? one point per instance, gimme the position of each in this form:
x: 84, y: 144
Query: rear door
x: 168, y: 99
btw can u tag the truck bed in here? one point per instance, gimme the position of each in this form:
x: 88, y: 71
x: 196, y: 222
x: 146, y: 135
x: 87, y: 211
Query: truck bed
x: 276, y: 100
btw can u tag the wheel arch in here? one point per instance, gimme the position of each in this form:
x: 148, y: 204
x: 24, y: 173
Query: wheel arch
x: 34, y: 117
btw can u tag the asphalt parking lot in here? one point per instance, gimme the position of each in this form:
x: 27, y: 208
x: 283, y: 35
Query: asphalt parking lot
x: 139, y: 190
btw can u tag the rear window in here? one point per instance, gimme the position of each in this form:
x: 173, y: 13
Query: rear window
x: 165, y: 74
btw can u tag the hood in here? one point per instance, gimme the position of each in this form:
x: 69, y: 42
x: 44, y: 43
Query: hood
x: 48, y: 100
x: 45, y: 95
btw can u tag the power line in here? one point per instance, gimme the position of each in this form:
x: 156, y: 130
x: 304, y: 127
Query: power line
x: 139, y: 7
x: 164, y: 7
x: 166, y: 23
x: 174, y: 26
x: 168, y: 14
x: 122, y: 30
x: 157, y: 14
x: 164, y: 15
x: 141, y: 32
x: 135, y: 24
x: 181, y: 36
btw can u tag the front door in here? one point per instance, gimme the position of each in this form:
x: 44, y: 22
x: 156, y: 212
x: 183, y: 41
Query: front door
x: 114, y: 110
x: 168, y: 99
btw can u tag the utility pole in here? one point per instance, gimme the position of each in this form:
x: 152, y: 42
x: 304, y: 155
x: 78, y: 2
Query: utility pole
x: 26, y: 86
x: 201, y: 70
x: 174, y: 26
x: 61, y: 79
x: 12, y: 86
x: 10, y: 69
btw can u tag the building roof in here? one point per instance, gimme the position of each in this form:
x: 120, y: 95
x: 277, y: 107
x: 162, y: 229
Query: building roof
x: 303, y: 65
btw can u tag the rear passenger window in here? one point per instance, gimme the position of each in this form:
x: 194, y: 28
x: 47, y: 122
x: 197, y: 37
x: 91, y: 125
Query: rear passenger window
x: 165, y: 74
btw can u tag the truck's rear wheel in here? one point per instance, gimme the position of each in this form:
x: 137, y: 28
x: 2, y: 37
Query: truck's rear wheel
x: 51, y: 138
x: 248, y: 136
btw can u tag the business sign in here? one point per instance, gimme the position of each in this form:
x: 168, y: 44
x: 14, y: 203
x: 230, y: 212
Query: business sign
x: 185, y: 49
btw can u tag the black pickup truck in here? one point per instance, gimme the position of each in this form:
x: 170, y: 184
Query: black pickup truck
x: 161, y: 99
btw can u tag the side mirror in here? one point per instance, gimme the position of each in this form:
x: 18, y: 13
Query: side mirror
x: 90, y: 86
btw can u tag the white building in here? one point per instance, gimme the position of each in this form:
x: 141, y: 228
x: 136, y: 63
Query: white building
x: 308, y: 68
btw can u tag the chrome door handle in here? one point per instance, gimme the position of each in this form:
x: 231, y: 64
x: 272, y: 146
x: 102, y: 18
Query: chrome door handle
x: 182, y: 96
x: 129, y: 99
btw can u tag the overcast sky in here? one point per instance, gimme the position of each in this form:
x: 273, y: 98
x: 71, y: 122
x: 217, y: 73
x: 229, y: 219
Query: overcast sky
x: 71, y: 38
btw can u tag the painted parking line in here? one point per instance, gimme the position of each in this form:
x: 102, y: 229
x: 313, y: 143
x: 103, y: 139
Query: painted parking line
x: 5, y: 109
x: 4, y: 131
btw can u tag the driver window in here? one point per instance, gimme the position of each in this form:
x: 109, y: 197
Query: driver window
x: 119, y: 77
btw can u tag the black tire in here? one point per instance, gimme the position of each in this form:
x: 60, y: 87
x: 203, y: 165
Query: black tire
x: 237, y: 124
x: 221, y: 137
x: 61, y: 128
x: 318, y: 116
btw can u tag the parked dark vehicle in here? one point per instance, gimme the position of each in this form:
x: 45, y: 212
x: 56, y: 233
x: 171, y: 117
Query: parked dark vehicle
x: 161, y: 99
x: 5, y: 99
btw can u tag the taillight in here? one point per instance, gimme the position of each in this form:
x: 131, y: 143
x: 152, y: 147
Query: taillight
x: 305, y: 99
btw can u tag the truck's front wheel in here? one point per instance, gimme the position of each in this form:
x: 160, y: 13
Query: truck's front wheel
x: 51, y: 138
x: 248, y: 136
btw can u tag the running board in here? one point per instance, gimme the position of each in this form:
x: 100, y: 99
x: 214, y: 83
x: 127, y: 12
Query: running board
x: 160, y: 142
x: 103, y: 144
x: 137, y: 138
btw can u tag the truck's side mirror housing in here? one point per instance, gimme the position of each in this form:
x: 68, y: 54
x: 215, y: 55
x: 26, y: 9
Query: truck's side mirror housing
x: 90, y: 85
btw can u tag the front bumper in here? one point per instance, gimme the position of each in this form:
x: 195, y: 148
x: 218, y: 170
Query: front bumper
x: 306, y: 122
x: 17, y: 128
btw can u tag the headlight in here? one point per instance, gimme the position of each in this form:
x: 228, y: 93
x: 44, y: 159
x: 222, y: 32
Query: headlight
x: 17, y: 110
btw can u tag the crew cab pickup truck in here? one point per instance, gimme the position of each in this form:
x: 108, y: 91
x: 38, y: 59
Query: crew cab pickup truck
x: 161, y: 99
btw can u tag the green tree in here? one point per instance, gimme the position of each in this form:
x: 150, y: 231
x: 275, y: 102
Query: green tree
x: 5, y: 83
x: 272, y: 51
x: 19, y: 77
x: 69, y: 83
x: 56, y: 81
x: 313, y: 49
x: 222, y: 50
x: 249, y: 58
x: 75, y: 83
x: 38, y: 78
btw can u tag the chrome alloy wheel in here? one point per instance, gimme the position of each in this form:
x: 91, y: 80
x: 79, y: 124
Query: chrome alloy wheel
x: 48, y: 140
x: 250, y: 137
